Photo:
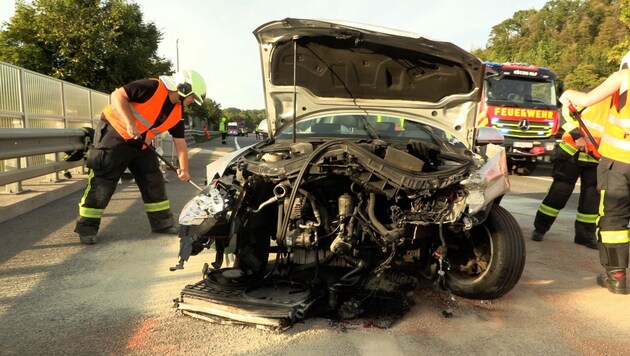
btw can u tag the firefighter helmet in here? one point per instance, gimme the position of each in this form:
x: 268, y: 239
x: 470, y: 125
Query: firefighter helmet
x: 187, y: 82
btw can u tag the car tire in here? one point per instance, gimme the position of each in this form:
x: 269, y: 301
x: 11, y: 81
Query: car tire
x: 500, y: 240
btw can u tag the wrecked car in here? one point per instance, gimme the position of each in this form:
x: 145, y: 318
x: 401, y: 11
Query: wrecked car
x: 373, y: 178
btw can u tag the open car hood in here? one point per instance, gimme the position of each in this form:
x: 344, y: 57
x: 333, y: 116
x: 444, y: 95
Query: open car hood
x: 345, y: 68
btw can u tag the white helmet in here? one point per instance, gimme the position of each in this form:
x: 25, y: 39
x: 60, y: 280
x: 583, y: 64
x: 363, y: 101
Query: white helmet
x: 187, y: 82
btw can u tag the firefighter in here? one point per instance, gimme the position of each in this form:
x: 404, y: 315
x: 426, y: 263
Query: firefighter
x: 575, y: 157
x: 223, y: 128
x: 73, y: 156
x: 138, y: 112
x: 613, y: 176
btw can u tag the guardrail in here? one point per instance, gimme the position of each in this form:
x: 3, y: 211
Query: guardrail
x: 17, y: 145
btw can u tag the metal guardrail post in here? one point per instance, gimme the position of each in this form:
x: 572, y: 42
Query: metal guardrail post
x: 12, y: 165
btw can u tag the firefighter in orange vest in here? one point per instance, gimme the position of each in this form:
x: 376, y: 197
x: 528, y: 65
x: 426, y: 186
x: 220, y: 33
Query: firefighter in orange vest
x: 575, y: 157
x: 613, y: 176
x: 138, y: 112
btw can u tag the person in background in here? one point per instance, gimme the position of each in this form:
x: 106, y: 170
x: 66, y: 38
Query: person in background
x: 138, y: 112
x: 575, y: 157
x: 223, y: 126
x: 73, y: 156
x: 519, y: 93
x: 205, y: 131
x: 613, y: 176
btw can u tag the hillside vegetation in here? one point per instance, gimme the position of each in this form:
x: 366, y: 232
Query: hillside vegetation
x: 581, y: 40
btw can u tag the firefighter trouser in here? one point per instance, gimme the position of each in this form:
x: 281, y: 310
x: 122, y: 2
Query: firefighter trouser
x: 613, y: 179
x: 108, y: 160
x: 566, y: 171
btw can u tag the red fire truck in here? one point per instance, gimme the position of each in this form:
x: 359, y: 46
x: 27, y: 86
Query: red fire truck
x: 521, y: 101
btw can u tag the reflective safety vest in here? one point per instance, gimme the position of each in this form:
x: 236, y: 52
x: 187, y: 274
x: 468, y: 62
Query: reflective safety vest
x: 146, y: 114
x: 594, y: 118
x: 399, y: 122
x: 615, y: 142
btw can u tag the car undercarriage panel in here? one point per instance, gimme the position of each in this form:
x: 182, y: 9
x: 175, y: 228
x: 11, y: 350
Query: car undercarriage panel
x: 226, y: 294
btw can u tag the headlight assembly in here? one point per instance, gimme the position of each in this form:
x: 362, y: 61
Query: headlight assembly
x: 201, y: 207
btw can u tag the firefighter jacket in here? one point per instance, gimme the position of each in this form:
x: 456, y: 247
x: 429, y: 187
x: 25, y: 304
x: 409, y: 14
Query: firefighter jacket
x: 146, y: 114
x: 615, y: 142
x: 223, y: 125
x: 594, y: 118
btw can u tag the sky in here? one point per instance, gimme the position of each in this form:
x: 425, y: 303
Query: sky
x: 215, y: 37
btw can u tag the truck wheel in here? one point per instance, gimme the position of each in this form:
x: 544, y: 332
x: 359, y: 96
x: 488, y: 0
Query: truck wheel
x: 490, y: 262
x: 526, y: 169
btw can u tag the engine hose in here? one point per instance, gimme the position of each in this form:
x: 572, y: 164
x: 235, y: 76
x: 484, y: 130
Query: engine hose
x: 346, y: 278
x: 279, y: 235
x: 369, y: 229
x: 279, y: 192
x: 309, y: 197
x: 308, y: 266
x: 269, y: 201
x: 281, y: 189
x: 380, y: 227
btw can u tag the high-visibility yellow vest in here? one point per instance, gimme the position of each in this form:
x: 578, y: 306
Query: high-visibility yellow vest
x: 615, y: 143
x: 594, y: 118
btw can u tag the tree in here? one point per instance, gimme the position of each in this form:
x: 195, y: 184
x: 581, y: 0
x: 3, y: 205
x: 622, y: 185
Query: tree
x: 99, y: 44
x: 622, y: 48
x: 581, y: 40
x: 209, y: 111
x: 251, y: 117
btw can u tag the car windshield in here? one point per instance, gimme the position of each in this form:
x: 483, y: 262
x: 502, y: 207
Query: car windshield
x: 520, y: 92
x: 360, y: 126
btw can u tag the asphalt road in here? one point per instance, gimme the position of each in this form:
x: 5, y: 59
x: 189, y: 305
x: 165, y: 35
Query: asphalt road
x: 116, y: 297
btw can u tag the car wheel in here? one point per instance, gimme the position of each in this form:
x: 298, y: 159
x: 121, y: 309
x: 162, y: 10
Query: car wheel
x: 491, y: 261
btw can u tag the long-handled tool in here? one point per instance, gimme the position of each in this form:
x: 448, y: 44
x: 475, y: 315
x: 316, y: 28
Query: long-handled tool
x: 169, y: 164
x: 577, y: 115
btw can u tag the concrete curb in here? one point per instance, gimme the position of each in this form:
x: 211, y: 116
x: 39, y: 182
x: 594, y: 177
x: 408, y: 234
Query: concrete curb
x: 37, y: 195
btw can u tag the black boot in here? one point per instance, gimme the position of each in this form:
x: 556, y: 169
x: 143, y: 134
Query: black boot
x: 614, y: 280
x: 537, y: 235
x: 590, y: 243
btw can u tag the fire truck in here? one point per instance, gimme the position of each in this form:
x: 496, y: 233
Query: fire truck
x: 521, y: 101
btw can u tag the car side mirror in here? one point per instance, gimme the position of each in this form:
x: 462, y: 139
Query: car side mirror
x: 486, y: 135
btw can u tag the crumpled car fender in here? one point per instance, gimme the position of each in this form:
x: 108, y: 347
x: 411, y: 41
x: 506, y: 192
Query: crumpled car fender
x: 216, y: 169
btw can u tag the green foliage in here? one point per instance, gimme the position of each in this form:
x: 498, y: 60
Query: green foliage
x: 99, y: 44
x: 209, y: 111
x: 251, y: 117
x: 623, y: 47
x: 581, y: 40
